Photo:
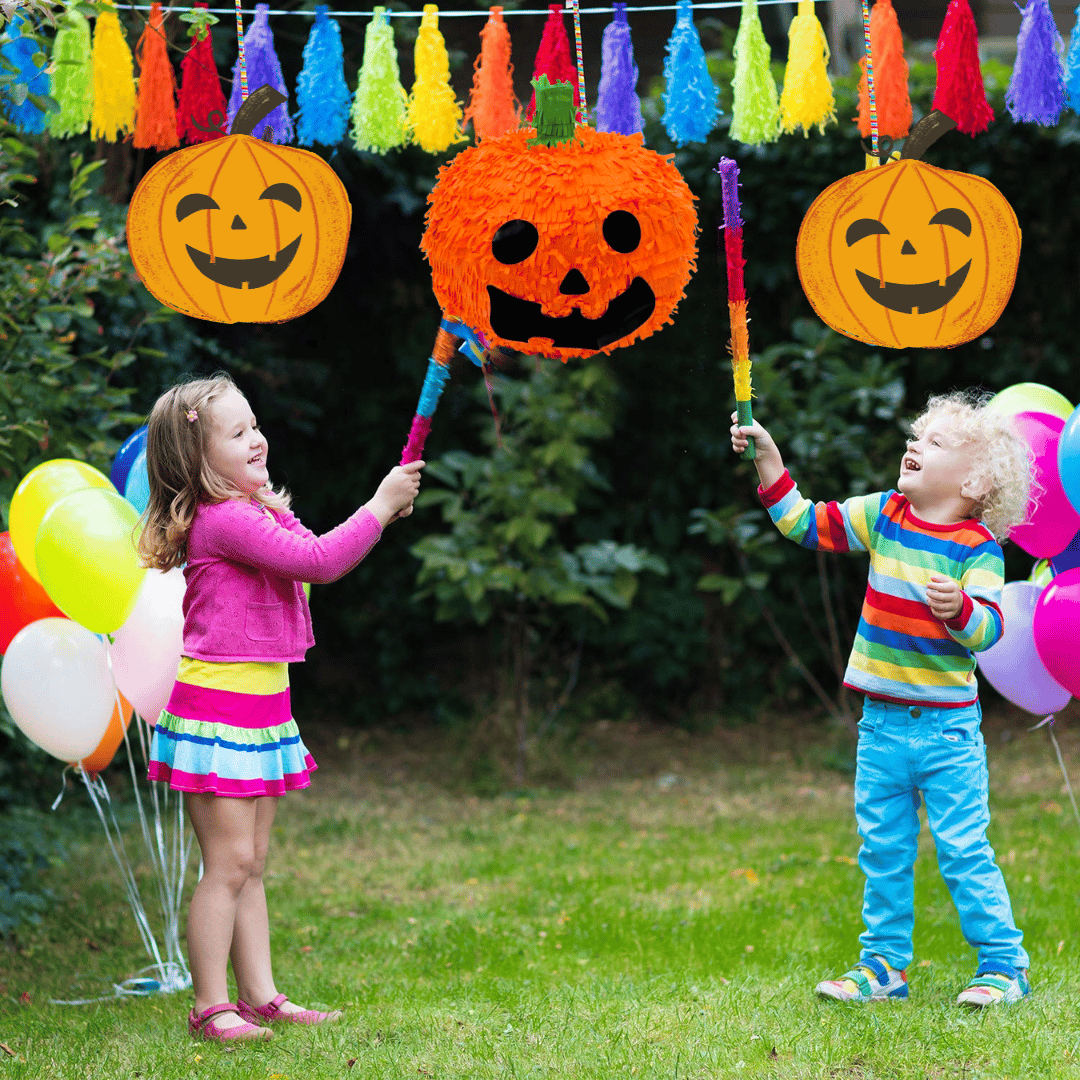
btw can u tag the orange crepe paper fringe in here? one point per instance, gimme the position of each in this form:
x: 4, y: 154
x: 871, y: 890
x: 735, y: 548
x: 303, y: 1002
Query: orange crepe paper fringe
x: 493, y: 109
x: 890, y: 76
x: 155, y: 103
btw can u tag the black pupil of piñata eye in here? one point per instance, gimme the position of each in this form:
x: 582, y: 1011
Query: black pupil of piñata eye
x: 622, y: 231
x: 514, y: 242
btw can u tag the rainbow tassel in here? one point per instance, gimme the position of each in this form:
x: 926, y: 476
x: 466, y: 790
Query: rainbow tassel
x: 691, y: 98
x: 960, y: 93
x: 113, y: 113
x: 553, y: 57
x: 73, y: 76
x: 1072, y: 67
x: 263, y: 69
x: 322, y: 96
x: 755, y: 110
x: 200, y: 112
x: 433, y: 115
x: 1036, y: 91
x: 28, y: 117
x: 493, y: 109
x: 617, y: 106
x: 378, y: 109
x: 155, y: 101
x: 807, y: 98
x: 890, y: 76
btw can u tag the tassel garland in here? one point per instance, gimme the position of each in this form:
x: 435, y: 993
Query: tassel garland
x: 755, y: 110
x: 493, y: 109
x: 113, y: 112
x: 73, y: 76
x: 155, y: 102
x: 1072, y: 67
x: 890, y: 76
x: 28, y: 117
x: 1036, y: 91
x: 433, y: 115
x: 201, y: 109
x: 618, y: 107
x: 691, y: 98
x: 960, y: 93
x: 807, y: 98
x: 553, y: 57
x: 263, y: 69
x: 378, y: 109
x: 322, y: 96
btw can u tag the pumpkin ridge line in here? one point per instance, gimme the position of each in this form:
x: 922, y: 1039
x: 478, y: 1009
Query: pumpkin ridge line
x: 840, y: 292
x: 168, y: 262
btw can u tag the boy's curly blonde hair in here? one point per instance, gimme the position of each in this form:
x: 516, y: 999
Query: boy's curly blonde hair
x: 1000, y: 455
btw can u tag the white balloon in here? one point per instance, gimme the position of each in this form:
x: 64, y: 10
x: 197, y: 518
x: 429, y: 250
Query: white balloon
x: 146, y: 649
x: 56, y: 685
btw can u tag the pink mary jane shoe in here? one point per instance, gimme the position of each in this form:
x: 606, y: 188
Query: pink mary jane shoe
x: 202, y: 1026
x: 271, y: 1012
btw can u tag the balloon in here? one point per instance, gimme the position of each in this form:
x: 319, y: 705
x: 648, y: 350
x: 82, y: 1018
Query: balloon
x: 56, y: 685
x: 1030, y: 397
x: 125, y: 458
x: 147, y: 648
x: 1069, y: 458
x: 1053, y: 522
x: 1057, y: 616
x: 1069, y: 559
x: 1042, y: 573
x: 137, y: 489
x: 111, y: 740
x: 22, y: 599
x: 1012, y: 666
x: 307, y: 589
x: 38, y: 490
x: 87, y: 558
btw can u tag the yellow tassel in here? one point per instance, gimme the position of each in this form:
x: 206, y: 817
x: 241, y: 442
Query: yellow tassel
x: 114, y: 79
x: 433, y: 115
x: 807, y: 98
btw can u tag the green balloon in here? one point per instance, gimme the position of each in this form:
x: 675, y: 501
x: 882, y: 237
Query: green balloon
x: 1031, y: 397
x: 307, y: 589
x: 1042, y: 573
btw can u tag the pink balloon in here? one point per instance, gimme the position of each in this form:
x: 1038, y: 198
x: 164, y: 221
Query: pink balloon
x: 1053, y: 522
x: 1054, y: 627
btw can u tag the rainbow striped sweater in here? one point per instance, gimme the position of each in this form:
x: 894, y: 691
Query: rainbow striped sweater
x: 902, y: 651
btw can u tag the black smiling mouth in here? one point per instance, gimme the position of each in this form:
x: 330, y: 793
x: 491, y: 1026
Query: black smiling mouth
x: 233, y: 273
x: 519, y: 320
x: 926, y: 297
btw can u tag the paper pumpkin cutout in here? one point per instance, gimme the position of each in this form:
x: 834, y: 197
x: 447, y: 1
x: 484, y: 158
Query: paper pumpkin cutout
x: 560, y: 241
x: 239, y: 229
x: 908, y: 255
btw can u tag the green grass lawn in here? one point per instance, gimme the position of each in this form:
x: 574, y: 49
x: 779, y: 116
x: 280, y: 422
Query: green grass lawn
x: 667, y: 918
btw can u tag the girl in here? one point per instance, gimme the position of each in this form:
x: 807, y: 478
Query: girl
x: 227, y: 736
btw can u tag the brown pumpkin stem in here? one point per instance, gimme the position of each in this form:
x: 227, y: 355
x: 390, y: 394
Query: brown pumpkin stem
x: 925, y: 133
x: 258, y: 105
x: 554, y: 118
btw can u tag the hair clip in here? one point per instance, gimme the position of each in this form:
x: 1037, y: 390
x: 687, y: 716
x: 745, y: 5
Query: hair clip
x: 192, y: 416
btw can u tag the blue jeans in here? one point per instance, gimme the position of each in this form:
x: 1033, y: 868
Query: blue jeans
x: 903, y: 751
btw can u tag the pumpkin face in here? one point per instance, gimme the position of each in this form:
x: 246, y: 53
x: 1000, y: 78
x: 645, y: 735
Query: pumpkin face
x: 909, y: 255
x: 561, y: 250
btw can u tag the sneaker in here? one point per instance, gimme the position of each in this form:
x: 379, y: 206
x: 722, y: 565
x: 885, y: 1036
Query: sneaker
x: 995, y: 983
x: 869, y: 980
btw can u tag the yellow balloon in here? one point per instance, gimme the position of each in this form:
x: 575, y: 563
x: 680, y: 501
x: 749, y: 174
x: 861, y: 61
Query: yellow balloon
x: 1031, y: 397
x: 87, y: 558
x: 38, y: 490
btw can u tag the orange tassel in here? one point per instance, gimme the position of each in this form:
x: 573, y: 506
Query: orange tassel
x: 890, y: 76
x: 493, y: 109
x: 155, y: 115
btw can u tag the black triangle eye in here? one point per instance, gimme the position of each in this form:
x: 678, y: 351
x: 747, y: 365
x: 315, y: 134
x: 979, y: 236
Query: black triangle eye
x: 190, y: 204
x: 285, y: 193
x: 514, y: 242
x: 863, y: 227
x: 622, y: 231
x: 955, y: 217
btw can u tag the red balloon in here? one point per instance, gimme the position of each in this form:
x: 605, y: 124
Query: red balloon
x: 1054, y: 625
x: 22, y: 599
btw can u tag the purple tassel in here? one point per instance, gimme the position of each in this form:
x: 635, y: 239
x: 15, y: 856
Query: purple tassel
x: 263, y: 69
x: 618, y: 107
x: 1036, y: 91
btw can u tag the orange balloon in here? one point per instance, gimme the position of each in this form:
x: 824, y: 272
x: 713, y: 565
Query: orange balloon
x: 110, y: 741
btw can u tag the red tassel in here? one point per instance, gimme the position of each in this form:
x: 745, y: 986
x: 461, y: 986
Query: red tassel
x: 202, y: 113
x: 890, y: 76
x: 960, y: 94
x: 553, y: 56
x: 155, y: 116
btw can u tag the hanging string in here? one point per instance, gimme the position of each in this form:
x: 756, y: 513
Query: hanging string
x: 243, y: 59
x: 1048, y: 723
x: 473, y: 13
x: 583, y: 111
x: 870, y: 85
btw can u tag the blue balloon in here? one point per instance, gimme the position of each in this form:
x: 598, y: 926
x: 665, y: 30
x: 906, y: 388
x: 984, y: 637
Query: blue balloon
x: 137, y: 488
x: 125, y: 458
x: 1069, y: 559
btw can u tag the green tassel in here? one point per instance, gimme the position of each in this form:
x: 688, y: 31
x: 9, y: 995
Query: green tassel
x: 755, y: 112
x: 378, y: 110
x: 73, y: 76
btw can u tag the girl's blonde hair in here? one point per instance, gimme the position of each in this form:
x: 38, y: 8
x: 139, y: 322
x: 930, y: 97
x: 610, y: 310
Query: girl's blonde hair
x: 1000, y: 457
x: 179, y: 473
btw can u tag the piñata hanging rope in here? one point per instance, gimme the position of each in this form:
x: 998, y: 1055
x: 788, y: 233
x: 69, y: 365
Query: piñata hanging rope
x: 583, y: 110
x: 243, y: 60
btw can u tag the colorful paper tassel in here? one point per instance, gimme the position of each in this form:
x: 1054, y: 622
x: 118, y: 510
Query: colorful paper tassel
x: 960, y: 93
x: 155, y: 101
x: 322, y: 95
x: 19, y: 52
x: 73, y: 76
x: 807, y: 98
x: 433, y: 115
x: 618, y: 107
x: 201, y: 112
x: 553, y: 57
x: 113, y: 112
x: 1036, y: 93
x: 493, y: 109
x: 890, y: 76
x: 378, y: 109
x: 691, y: 98
x: 263, y: 69
x: 1072, y: 67
x: 755, y: 109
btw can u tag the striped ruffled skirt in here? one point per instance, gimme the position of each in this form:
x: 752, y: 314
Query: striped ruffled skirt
x: 228, y: 730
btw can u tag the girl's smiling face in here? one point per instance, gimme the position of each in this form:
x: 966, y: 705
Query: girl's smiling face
x: 236, y: 448
x: 936, y: 467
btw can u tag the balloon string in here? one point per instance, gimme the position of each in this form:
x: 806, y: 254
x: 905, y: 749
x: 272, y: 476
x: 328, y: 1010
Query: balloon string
x: 1064, y: 772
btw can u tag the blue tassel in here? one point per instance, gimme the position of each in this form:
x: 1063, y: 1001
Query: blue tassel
x: 264, y: 69
x: 322, y: 97
x: 1072, y: 67
x: 27, y: 117
x: 1036, y: 91
x: 690, y: 96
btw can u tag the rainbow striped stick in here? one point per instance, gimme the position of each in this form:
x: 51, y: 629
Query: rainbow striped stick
x: 243, y: 60
x: 583, y: 112
x: 740, y: 336
x: 876, y: 160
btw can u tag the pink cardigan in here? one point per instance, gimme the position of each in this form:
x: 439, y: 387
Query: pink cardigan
x: 245, y: 564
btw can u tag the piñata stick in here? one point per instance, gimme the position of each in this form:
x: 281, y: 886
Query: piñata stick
x: 739, y: 345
